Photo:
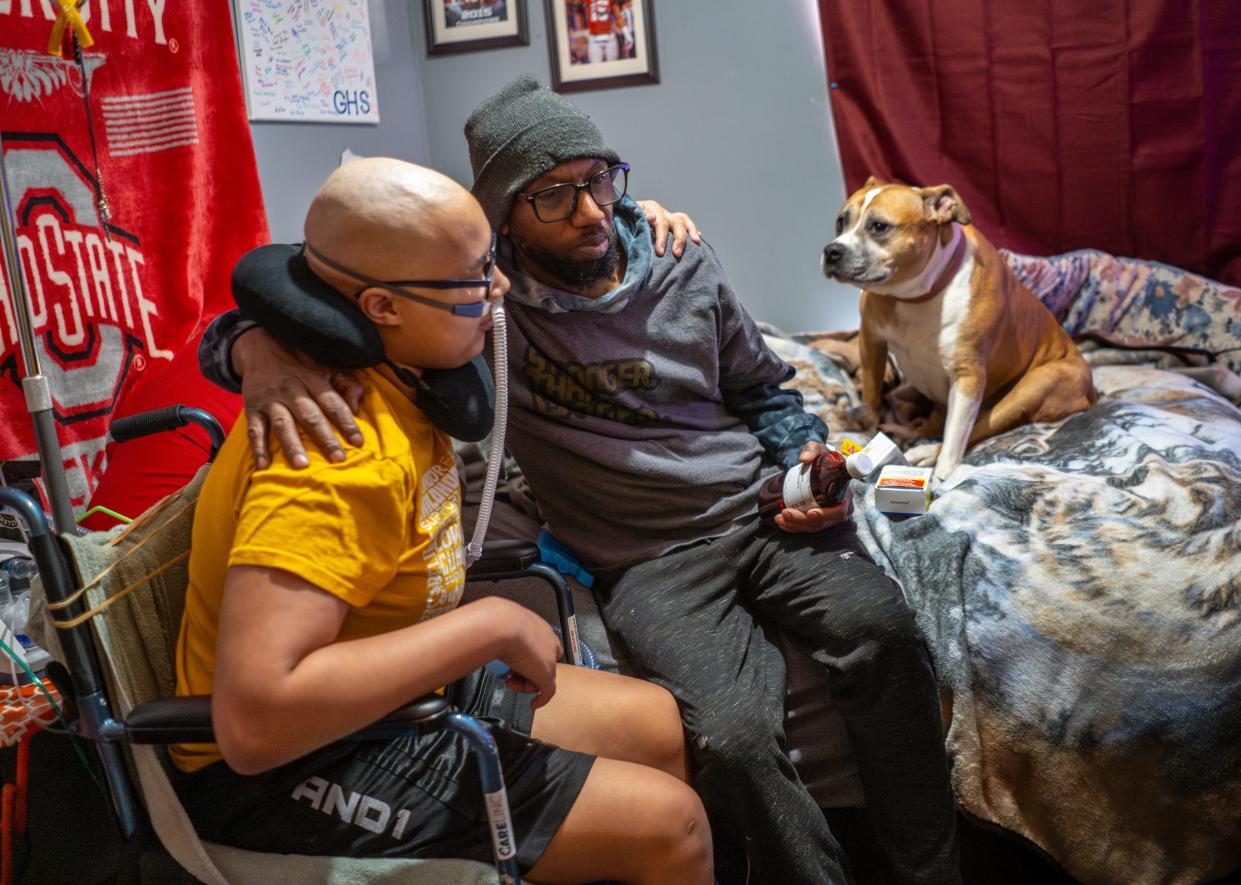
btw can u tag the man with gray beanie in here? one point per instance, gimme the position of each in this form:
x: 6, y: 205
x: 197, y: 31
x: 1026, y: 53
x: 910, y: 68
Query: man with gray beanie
x: 646, y: 411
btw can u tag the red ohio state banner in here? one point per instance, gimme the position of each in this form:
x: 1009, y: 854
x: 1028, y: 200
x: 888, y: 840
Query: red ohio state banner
x: 115, y: 301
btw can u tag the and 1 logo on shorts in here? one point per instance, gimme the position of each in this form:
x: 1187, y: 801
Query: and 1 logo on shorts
x: 367, y: 812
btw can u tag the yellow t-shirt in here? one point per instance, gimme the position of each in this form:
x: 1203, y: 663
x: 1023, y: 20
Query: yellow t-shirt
x: 380, y: 530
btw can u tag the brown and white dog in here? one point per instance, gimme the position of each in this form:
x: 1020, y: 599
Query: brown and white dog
x: 965, y: 333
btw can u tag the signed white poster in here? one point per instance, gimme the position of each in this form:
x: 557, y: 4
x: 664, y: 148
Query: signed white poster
x: 307, y: 60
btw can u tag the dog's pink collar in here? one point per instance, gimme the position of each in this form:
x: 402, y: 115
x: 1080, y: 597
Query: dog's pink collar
x: 945, y: 275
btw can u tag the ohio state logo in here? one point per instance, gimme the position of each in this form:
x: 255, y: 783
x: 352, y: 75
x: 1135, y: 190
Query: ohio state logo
x: 94, y: 324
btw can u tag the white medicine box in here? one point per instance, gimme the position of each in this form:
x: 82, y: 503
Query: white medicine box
x: 902, y: 490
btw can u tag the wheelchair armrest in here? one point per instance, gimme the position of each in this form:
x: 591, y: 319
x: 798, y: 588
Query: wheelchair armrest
x: 427, y: 713
x: 171, y: 721
x: 188, y: 720
x: 503, y: 557
x: 502, y: 560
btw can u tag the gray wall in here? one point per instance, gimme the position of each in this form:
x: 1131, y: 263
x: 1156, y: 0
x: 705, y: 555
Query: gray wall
x: 737, y: 134
x: 294, y: 158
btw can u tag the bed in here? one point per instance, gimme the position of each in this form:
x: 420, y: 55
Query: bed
x: 1079, y: 583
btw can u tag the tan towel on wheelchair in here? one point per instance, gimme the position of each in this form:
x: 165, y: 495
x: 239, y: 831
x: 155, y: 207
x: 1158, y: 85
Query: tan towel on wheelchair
x: 136, y: 577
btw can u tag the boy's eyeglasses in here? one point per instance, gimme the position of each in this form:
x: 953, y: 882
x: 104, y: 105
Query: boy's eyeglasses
x: 558, y: 202
x: 472, y: 309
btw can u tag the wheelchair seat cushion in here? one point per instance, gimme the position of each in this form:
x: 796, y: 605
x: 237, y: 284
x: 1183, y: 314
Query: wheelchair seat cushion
x: 252, y: 868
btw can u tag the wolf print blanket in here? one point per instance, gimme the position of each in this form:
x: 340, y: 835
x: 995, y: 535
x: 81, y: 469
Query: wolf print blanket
x: 1079, y: 585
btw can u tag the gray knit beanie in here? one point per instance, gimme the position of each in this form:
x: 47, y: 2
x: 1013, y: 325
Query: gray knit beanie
x: 520, y: 133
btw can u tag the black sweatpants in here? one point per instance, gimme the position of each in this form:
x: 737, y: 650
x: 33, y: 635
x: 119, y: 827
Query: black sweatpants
x: 693, y: 621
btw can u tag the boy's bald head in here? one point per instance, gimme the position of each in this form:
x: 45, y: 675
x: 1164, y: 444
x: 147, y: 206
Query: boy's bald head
x: 379, y: 215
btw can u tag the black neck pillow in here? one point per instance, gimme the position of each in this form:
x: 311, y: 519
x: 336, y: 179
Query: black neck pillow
x: 275, y: 287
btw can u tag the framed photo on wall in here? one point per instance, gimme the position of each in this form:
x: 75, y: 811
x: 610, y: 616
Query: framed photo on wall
x: 467, y: 25
x: 598, y: 44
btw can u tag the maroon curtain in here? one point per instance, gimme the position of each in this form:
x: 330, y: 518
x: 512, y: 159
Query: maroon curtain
x: 1064, y: 124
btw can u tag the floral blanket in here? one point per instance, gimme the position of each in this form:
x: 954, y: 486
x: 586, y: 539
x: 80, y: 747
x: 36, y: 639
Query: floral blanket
x: 1079, y: 585
x: 1136, y: 302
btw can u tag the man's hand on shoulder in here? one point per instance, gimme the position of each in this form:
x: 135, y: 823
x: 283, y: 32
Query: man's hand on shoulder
x: 817, y: 518
x: 663, y: 222
x: 282, y: 390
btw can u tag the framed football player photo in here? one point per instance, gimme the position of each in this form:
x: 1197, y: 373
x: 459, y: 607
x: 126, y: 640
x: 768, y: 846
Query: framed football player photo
x: 598, y: 44
x: 467, y: 25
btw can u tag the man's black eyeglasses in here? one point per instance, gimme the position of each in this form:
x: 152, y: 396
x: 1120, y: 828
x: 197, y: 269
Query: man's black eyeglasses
x: 473, y: 309
x: 558, y: 202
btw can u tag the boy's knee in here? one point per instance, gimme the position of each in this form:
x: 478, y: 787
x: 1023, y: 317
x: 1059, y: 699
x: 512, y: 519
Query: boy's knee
x: 654, y: 734
x: 684, y: 837
x: 668, y: 741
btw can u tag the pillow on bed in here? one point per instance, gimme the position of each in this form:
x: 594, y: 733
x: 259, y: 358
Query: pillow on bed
x: 1136, y: 301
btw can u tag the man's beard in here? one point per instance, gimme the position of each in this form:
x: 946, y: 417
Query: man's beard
x: 573, y: 275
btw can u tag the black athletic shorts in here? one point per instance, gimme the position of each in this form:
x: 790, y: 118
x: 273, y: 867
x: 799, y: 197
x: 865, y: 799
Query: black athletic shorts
x: 410, y: 797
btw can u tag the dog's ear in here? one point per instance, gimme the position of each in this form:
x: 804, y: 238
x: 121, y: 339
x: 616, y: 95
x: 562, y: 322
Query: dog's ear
x: 873, y: 182
x: 942, y: 205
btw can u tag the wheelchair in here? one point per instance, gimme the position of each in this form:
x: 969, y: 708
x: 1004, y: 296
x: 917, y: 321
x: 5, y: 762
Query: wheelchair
x: 113, y: 609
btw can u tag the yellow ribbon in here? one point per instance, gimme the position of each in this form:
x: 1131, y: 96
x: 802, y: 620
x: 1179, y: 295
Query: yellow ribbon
x: 69, y: 17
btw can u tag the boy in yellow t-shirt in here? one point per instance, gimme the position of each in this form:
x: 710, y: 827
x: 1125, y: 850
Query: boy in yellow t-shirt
x: 388, y: 515
x: 321, y: 599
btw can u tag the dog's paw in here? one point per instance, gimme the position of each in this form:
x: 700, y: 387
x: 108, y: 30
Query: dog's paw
x: 924, y: 455
x: 866, y: 417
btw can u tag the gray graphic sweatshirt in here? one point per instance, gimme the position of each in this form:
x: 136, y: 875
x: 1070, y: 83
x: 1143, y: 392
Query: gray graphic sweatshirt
x: 645, y: 419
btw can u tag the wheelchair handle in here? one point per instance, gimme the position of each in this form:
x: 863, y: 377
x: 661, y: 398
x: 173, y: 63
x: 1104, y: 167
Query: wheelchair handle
x: 167, y: 418
x: 27, y: 509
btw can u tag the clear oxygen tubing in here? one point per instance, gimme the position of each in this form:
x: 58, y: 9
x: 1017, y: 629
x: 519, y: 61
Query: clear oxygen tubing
x: 495, y: 453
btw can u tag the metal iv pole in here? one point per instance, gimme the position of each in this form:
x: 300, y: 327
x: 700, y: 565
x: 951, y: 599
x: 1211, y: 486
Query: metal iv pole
x: 34, y: 383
